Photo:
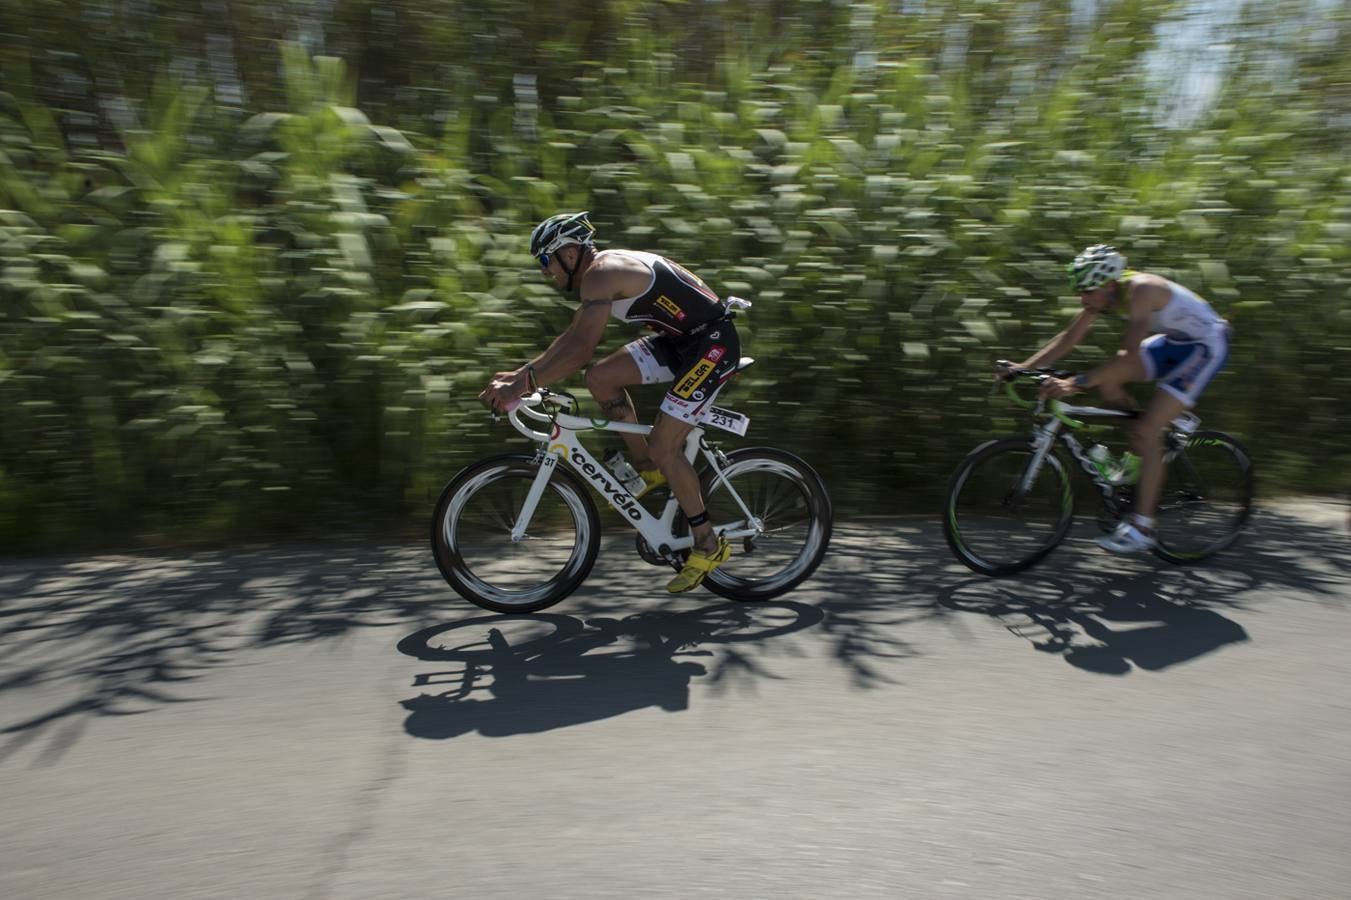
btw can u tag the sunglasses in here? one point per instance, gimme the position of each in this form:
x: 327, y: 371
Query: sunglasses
x: 543, y: 260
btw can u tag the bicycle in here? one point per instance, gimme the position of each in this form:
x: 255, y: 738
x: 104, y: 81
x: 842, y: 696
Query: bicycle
x: 1010, y: 502
x: 518, y: 532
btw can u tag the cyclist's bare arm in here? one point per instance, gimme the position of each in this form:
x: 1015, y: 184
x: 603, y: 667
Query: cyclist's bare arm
x: 612, y: 277
x: 1060, y: 345
x: 1142, y: 300
x: 608, y: 280
x: 569, y: 352
x: 615, y: 275
x: 574, y: 347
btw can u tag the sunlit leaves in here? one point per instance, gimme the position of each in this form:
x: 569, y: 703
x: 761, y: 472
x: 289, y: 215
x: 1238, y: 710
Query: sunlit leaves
x: 300, y: 295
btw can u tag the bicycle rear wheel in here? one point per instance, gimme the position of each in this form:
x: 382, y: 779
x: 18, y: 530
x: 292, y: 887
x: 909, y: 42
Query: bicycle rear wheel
x: 471, y: 535
x: 1206, y: 499
x: 791, y: 502
x: 992, y: 523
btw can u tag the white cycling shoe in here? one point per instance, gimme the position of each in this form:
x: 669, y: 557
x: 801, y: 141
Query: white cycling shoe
x: 1126, y: 539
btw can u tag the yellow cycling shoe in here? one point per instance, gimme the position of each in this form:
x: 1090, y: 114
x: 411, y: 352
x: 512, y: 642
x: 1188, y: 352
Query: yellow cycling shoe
x: 697, y: 566
x: 652, y: 479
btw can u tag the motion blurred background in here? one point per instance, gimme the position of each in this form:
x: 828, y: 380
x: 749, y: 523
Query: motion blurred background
x: 257, y: 256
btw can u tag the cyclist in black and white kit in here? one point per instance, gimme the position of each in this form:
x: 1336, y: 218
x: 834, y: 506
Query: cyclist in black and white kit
x: 695, y: 348
x: 1172, y: 337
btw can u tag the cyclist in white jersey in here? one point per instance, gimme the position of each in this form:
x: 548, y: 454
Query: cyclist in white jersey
x: 695, y: 349
x: 1172, y: 337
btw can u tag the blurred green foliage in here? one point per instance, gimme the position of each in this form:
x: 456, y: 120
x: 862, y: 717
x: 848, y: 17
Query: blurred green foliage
x: 256, y: 259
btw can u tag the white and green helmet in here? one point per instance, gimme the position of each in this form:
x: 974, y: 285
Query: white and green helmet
x: 561, y: 230
x: 1096, y: 266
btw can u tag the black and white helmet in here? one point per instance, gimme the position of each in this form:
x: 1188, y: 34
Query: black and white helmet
x: 1096, y: 266
x: 561, y: 230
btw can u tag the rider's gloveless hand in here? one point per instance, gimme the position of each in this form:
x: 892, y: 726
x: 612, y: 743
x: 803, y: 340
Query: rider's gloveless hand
x: 504, y: 389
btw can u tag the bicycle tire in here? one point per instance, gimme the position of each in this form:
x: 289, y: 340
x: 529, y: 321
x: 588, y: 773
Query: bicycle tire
x: 965, y: 533
x: 1218, y: 490
x: 489, y: 578
x: 795, y: 508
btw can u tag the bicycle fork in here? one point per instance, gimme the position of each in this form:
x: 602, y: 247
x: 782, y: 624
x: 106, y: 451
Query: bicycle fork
x: 547, y: 461
x: 1042, y: 442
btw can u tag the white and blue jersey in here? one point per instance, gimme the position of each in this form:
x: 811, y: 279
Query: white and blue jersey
x: 1189, y: 347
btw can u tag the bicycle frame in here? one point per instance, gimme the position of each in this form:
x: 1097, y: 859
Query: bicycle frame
x: 1059, y: 428
x: 562, y: 443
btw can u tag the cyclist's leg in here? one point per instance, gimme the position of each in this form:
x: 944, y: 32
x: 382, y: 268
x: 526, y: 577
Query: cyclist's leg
x: 644, y: 361
x: 1147, y: 442
x: 1135, y: 532
x: 709, y: 551
x: 1114, y: 375
x: 1183, y: 370
x: 667, y: 443
x: 706, y: 363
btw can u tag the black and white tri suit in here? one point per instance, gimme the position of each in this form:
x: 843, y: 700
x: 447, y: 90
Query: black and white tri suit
x: 696, y: 346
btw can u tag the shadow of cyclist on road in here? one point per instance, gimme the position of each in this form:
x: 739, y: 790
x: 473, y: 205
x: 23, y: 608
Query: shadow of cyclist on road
x: 526, y: 674
x: 1110, y: 627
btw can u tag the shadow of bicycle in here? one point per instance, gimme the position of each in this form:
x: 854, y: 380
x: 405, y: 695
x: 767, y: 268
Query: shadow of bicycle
x: 1120, y: 624
x: 522, y: 674
x: 1104, y: 614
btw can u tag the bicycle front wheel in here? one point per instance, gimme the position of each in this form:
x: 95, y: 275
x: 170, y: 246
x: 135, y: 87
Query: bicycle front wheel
x: 471, y: 535
x: 1206, y: 499
x: 996, y: 522
x: 789, y: 502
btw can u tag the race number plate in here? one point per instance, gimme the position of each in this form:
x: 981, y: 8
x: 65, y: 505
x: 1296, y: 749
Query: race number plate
x: 726, y: 419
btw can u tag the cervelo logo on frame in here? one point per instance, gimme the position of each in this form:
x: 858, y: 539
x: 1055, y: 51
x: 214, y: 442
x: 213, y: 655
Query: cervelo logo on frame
x: 619, y: 498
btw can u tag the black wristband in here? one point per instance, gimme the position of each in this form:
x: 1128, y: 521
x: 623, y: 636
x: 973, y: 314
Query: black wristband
x: 697, y: 520
x: 1081, y: 380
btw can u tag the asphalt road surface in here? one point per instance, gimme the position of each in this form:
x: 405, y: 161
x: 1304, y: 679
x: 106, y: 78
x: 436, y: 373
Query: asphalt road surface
x: 331, y: 721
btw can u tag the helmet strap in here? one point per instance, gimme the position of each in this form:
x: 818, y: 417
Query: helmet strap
x: 581, y: 259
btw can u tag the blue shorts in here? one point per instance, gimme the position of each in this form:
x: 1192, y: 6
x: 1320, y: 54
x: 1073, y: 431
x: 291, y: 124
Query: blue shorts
x: 1184, y: 366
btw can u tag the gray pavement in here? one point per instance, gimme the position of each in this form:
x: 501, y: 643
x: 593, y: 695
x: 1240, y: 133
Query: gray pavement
x: 333, y: 722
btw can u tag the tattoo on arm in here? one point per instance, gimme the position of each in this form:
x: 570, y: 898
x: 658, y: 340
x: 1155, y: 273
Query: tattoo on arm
x: 618, y: 405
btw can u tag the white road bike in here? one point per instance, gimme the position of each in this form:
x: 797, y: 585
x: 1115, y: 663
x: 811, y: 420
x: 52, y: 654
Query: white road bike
x: 518, y: 532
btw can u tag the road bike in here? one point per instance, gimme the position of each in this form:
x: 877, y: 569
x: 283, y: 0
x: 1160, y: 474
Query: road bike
x: 1011, y: 500
x: 518, y: 532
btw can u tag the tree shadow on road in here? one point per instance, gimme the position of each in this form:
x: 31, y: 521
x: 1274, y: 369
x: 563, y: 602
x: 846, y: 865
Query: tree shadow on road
x: 522, y: 674
x: 113, y: 636
x: 123, y: 635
